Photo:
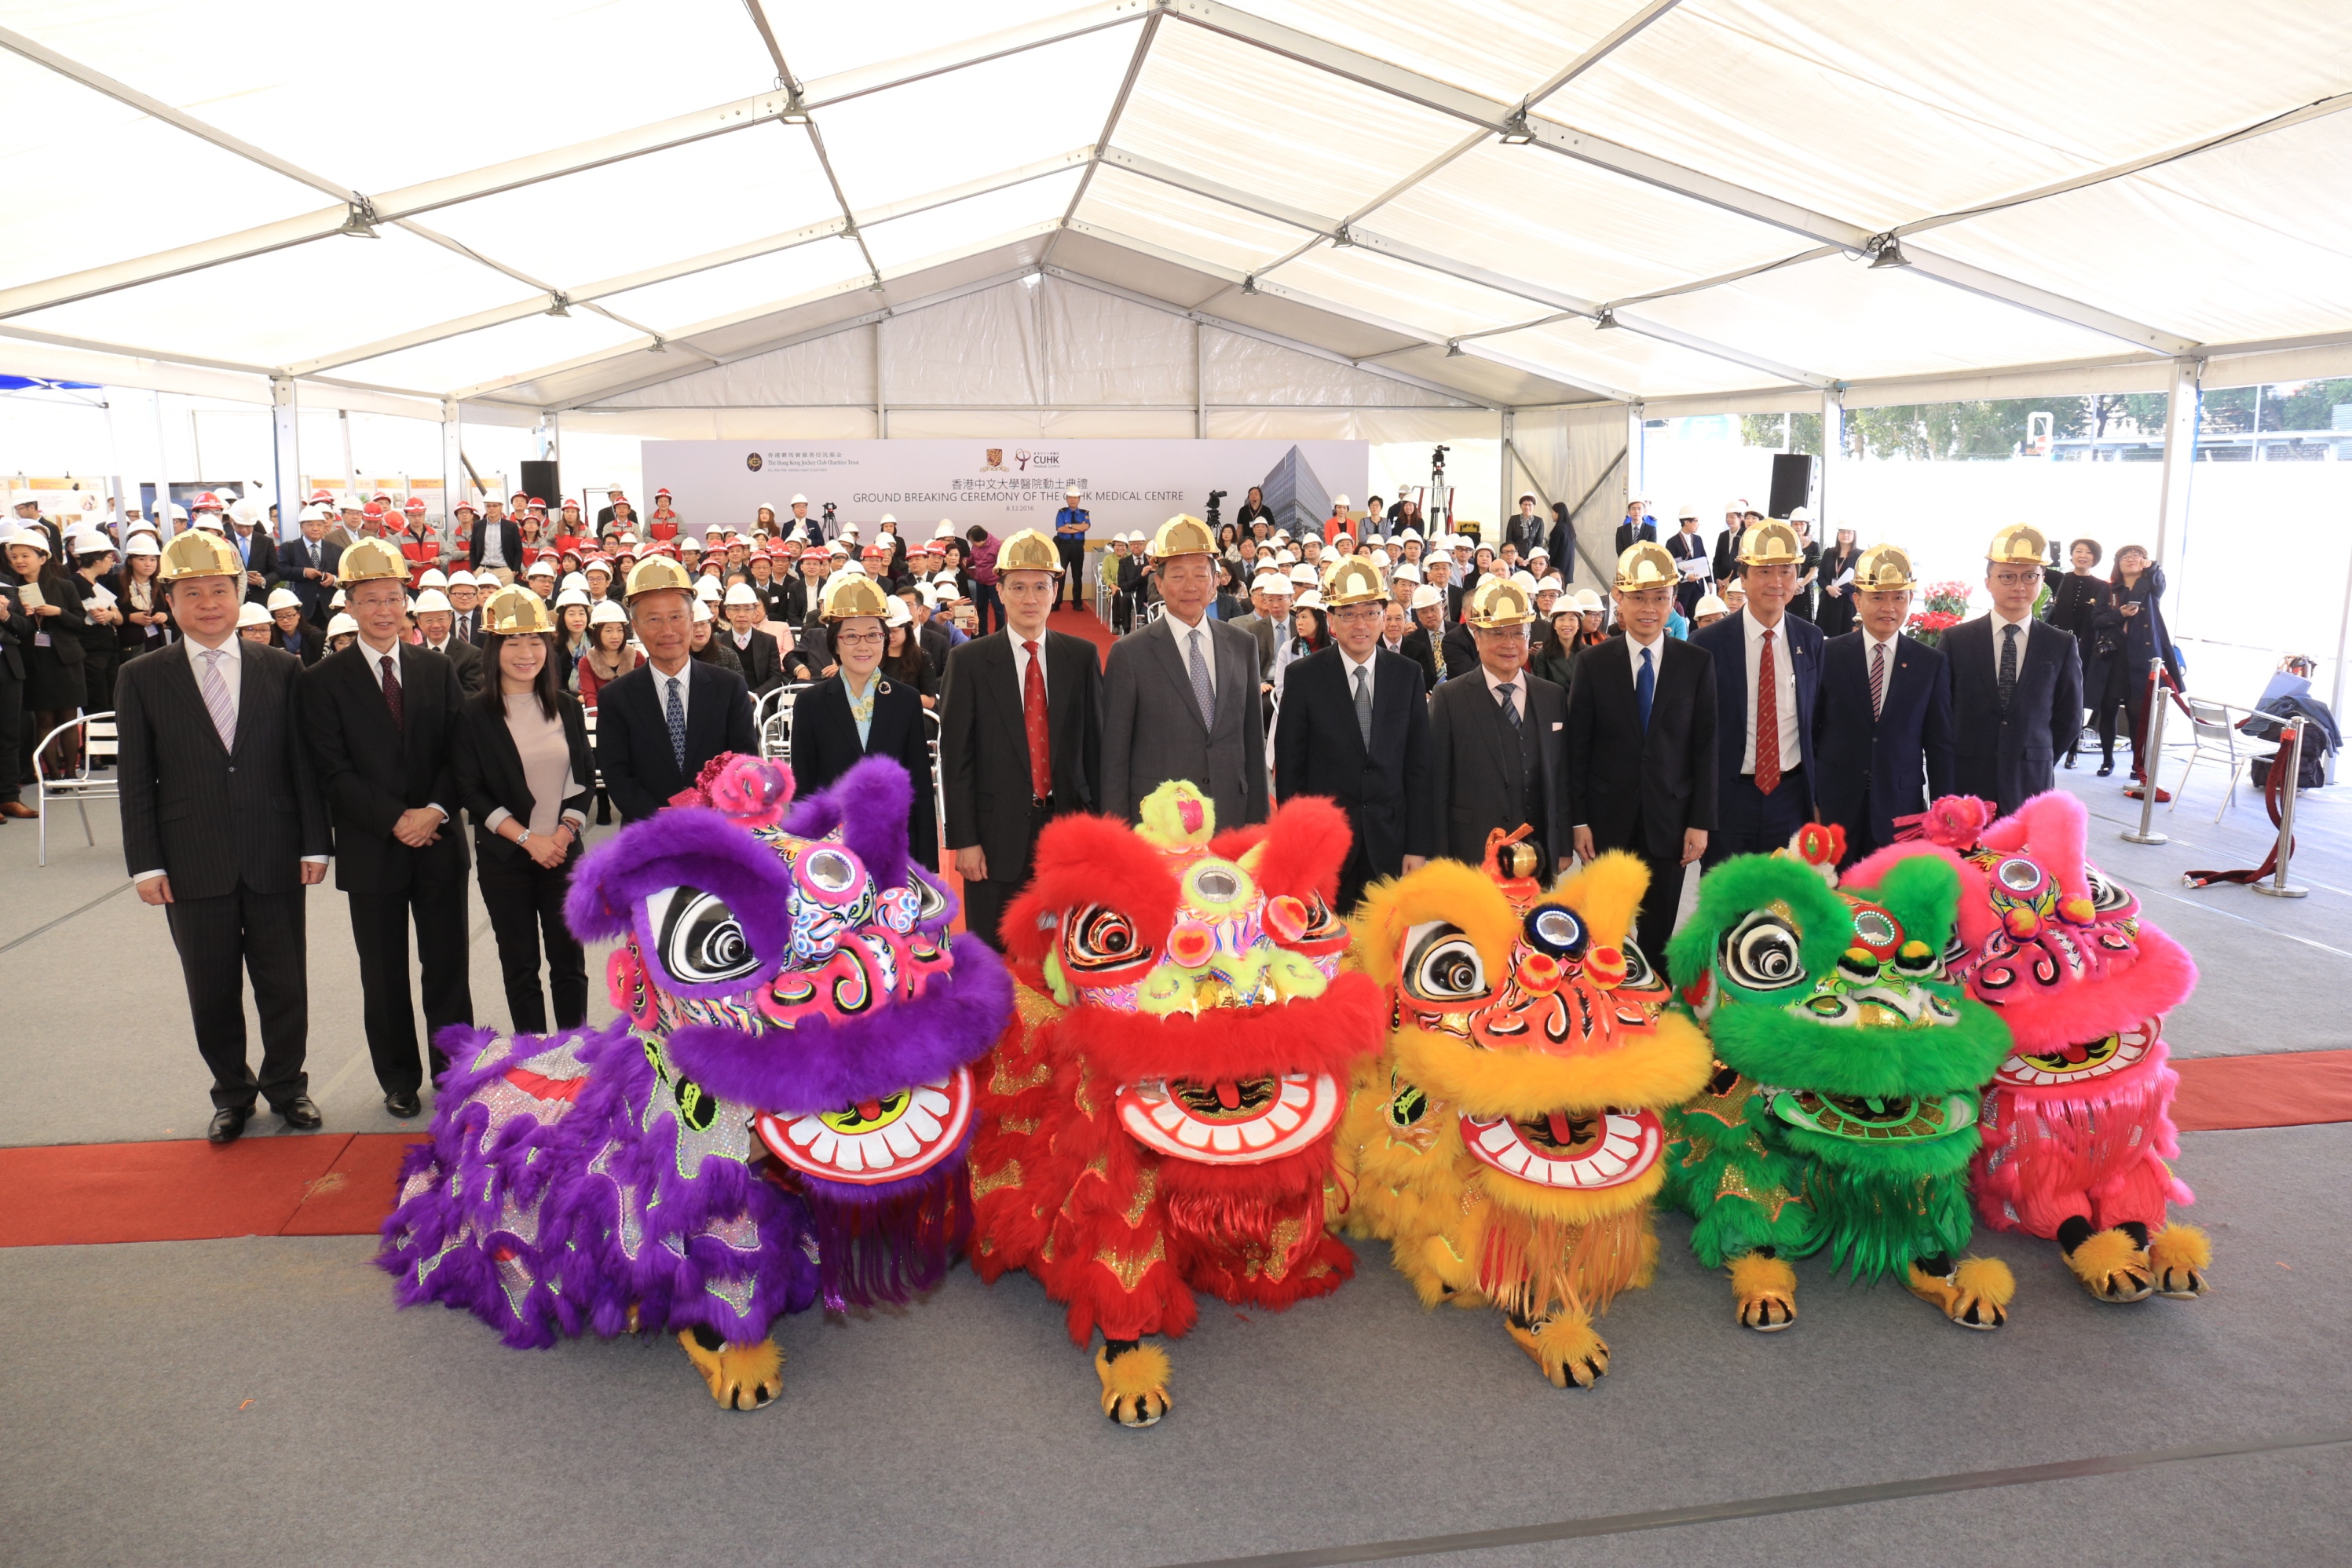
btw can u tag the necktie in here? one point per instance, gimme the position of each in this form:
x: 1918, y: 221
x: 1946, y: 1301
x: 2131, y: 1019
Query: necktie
x: 2008, y: 665
x: 1767, y: 720
x: 391, y: 685
x: 1364, y: 705
x: 1510, y: 709
x: 1033, y: 715
x: 1645, y: 687
x: 676, y: 714
x: 1202, y: 693
x: 216, y: 701
x: 1877, y: 678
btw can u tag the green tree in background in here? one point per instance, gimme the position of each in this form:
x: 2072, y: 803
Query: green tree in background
x: 1999, y: 427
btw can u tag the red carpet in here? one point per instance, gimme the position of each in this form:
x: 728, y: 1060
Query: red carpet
x: 2289, y: 1088
x: 341, y: 1184
x: 187, y: 1190
x: 1082, y: 623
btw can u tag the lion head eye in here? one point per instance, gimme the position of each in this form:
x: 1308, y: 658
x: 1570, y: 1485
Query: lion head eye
x: 1763, y: 953
x: 1442, y: 964
x: 1101, y: 938
x: 1554, y: 929
x: 698, y: 937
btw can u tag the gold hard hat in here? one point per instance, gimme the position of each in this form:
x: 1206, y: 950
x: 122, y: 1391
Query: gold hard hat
x: 366, y: 561
x: 854, y: 593
x: 1497, y: 601
x: 1771, y: 543
x: 2019, y: 544
x: 655, y: 574
x: 199, y: 554
x: 1353, y: 580
x: 1884, y: 568
x: 517, y: 613
x: 1182, y: 535
x: 1645, y: 564
x: 1029, y: 550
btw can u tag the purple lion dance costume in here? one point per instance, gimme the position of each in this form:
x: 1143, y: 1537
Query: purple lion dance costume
x: 791, y: 989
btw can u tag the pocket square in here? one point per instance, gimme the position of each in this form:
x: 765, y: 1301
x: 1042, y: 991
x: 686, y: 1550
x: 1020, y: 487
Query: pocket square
x: 1557, y: 724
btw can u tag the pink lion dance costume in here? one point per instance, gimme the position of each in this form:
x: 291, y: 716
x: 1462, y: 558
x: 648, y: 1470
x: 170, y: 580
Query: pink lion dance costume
x: 2077, y: 1122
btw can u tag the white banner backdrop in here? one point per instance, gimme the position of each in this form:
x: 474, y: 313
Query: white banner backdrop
x: 1003, y: 486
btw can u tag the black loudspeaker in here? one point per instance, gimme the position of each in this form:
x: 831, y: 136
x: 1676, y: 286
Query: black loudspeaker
x: 1792, y: 483
x: 538, y: 479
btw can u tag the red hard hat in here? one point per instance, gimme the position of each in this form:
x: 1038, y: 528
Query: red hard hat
x: 207, y: 499
x: 372, y: 509
x: 416, y: 505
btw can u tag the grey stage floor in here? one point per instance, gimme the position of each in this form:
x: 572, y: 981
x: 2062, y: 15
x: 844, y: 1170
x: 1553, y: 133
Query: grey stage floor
x: 258, y: 1402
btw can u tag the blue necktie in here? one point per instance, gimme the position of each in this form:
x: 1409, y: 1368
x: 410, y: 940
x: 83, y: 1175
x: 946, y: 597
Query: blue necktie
x: 676, y: 727
x: 1645, y: 686
x: 1202, y: 692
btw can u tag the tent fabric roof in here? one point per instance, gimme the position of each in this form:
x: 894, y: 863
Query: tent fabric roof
x: 1514, y: 204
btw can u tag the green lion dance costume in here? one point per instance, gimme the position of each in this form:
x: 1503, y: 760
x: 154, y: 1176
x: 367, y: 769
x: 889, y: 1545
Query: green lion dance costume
x: 1507, y: 1145
x: 1843, y: 1115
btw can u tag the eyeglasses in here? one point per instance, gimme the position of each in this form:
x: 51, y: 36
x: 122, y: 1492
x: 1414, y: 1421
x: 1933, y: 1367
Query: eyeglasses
x: 1348, y: 615
x: 857, y: 639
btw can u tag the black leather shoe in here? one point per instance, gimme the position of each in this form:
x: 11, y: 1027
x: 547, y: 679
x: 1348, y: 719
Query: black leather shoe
x: 229, y: 1123
x: 301, y: 1113
x: 403, y: 1104
x: 2106, y: 767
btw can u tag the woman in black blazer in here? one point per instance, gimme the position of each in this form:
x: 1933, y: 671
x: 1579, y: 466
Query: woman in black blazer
x: 524, y: 776
x: 826, y: 739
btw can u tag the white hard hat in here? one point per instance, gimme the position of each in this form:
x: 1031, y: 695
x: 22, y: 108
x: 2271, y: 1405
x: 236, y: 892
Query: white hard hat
x: 1303, y: 574
x: 1407, y: 572
x: 142, y: 544
x: 1310, y: 600
x: 572, y: 596
x: 701, y: 610
x: 740, y: 594
x: 210, y: 522
x: 283, y: 599
x: 1587, y: 602
x: 433, y: 601
x: 573, y: 580
x: 314, y: 513
x: 706, y: 589
x: 605, y: 611
x: 251, y: 614
x: 1272, y: 583
x: 336, y: 601
x: 1548, y: 584
x: 1428, y: 598
x: 798, y: 501
x: 948, y: 531
x: 341, y: 625
x: 461, y: 578
x: 432, y: 577
x: 1710, y: 604
x: 1338, y: 500
x: 895, y: 613
x: 929, y: 593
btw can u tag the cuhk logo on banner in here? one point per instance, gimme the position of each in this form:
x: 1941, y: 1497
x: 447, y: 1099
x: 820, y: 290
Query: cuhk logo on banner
x: 752, y: 463
x: 995, y: 464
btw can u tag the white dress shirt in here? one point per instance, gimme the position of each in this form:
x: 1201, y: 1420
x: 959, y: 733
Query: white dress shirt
x: 375, y: 657
x: 2024, y: 625
x: 1184, y: 635
x: 1518, y: 683
x: 1021, y: 665
x: 232, y: 675
x: 1784, y: 684
x: 1348, y: 667
x: 1657, y: 659
x: 685, y: 679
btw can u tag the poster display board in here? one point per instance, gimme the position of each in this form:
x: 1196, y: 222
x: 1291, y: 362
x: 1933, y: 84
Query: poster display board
x: 1005, y: 485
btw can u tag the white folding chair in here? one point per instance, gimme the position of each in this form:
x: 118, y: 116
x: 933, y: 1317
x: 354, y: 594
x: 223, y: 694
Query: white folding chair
x: 85, y: 784
x: 939, y: 785
x: 2217, y: 735
x: 774, y: 723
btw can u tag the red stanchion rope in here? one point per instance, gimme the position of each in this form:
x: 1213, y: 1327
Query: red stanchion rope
x: 2272, y: 801
x: 2158, y: 679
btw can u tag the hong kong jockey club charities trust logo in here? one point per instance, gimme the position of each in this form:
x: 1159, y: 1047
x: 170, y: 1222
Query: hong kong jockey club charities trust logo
x: 752, y: 463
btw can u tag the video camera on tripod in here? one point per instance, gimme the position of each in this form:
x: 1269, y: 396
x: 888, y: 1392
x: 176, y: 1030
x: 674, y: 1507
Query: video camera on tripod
x: 1215, y: 499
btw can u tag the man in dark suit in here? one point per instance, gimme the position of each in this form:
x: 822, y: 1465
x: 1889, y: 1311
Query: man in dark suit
x: 658, y: 725
x: 2017, y: 682
x: 1425, y: 643
x: 758, y: 652
x: 1134, y: 573
x: 496, y: 548
x: 1737, y: 521
x: 1177, y: 697
x: 1883, y: 728
x: 306, y: 565
x: 437, y: 622
x: 1641, y: 743
x: 223, y: 829
x: 1529, y: 530
x: 260, y: 551
x: 1460, y: 645
x: 1354, y: 727
x: 1768, y: 672
x: 1498, y: 740
x: 1007, y: 768
x: 1690, y: 553
x: 1637, y: 526
x: 380, y: 718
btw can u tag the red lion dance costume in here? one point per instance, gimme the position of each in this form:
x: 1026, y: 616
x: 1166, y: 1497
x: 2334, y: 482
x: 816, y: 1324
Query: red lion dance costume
x: 2078, y: 1120
x: 1159, y: 1117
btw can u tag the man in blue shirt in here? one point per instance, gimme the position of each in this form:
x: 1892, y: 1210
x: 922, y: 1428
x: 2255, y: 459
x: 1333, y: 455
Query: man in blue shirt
x: 1070, y: 525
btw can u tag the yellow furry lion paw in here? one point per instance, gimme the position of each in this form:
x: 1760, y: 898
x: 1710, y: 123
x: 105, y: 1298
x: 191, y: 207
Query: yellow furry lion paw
x: 2113, y: 1266
x: 1566, y: 1348
x: 2179, y: 1256
x: 1134, y: 1386
x: 741, y: 1376
x: 1976, y: 1295
x: 1766, y: 1291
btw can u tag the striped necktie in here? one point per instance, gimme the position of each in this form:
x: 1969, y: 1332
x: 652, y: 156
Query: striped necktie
x: 216, y: 701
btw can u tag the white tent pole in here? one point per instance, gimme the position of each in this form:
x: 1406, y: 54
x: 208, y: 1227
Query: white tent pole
x: 1832, y: 455
x: 162, y: 518
x: 350, y: 469
x: 1636, y: 471
x: 453, y: 465
x: 881, y: 398
x: 1199, y: 382
x: 2180, y: 416
x: 286, y: 433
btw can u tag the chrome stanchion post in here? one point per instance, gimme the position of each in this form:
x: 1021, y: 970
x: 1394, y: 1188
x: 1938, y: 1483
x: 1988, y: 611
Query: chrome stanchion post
x: 2153, y: 756
x: 2290, y: 754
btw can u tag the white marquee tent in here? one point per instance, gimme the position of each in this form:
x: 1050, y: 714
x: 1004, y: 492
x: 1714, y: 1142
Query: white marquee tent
x: 1385, y: 218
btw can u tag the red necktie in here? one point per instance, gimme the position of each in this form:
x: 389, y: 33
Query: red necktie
x: 391, y: 685
x: 1767, y: 720
x: 1033, y: 715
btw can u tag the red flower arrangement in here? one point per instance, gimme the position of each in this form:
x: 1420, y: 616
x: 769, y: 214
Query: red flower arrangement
x: 1946, y: 606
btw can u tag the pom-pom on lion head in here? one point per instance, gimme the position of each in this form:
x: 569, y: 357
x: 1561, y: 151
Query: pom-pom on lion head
x: 1531, y: 1014
x: 2058, y: 949
x: 1202, y: 971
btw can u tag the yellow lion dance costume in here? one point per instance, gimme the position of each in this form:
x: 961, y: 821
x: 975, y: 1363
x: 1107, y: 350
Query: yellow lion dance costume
x: 1507, y: 1145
